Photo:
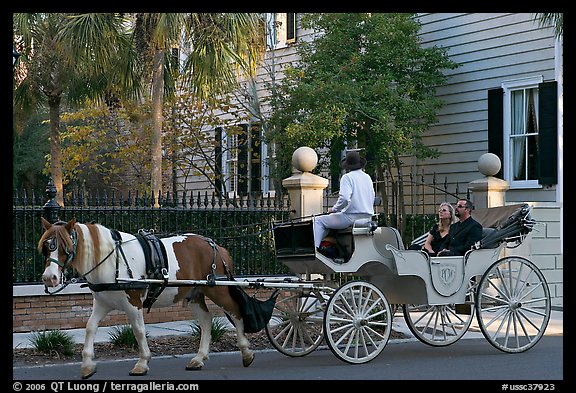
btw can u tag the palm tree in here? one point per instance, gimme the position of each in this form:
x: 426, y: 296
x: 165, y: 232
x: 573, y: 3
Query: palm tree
x: 221, y: 46
x: 75, y: 57
x: 554, y: 19
x: 53, y: 70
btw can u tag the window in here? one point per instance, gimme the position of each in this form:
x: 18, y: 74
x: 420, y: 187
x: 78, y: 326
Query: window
x: 523, y: 138
x: 281, y: 30
x: 240, y: 166
x: 522, y: 131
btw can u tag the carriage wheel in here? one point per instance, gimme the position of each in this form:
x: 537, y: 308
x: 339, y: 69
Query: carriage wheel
x: 513, y: 304
x: 295, y: 328
x: 440, y: 325
x: 358, y: 322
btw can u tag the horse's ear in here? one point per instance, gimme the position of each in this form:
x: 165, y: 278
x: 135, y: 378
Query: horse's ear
x: 70, y: 224
x: 45, y: 223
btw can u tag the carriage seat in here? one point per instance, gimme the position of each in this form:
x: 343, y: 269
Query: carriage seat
x: 371, y: 223
x: 485, y: 232
x: 368, y: 223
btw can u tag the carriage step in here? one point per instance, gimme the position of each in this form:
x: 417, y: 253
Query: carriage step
x: 465, y: 308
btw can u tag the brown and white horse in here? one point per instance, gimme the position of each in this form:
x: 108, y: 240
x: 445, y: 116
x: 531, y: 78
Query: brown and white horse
x: 92, y: 250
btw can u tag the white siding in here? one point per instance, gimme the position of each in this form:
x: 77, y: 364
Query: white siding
x: 490, y: 48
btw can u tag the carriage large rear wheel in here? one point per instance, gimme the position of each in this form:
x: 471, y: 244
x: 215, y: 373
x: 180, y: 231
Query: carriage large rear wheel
x: 513, y: 304
x: 358, y: 322
x: 440, y: 325
x: 295, y: 328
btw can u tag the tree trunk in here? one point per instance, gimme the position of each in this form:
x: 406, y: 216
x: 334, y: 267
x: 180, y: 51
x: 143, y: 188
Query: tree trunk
x: 55, y: 150
x: 383, y: 194
x: 157, y: 119
x: 401, y: 204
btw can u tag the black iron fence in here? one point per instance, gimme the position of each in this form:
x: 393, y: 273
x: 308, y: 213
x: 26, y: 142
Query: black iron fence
x: 242, y: 225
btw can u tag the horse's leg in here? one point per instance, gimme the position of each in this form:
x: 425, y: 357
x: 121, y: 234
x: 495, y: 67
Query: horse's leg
x: 136, y: 318
x: 200, y: 310
x: 243, y: 343
x: 99, y: 311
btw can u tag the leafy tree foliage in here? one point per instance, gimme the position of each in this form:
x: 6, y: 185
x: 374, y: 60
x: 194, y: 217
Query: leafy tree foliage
x: 29, y: 150
x: 61, y: 67
x: 365, y: 81
x: 104, y: 148
x: 554, y: 19
x: 191, y: 143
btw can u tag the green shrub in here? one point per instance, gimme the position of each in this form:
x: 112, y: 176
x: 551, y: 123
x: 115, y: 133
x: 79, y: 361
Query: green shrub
x: 53, y: 342
x: 123, y: 336
x: 218, y: 329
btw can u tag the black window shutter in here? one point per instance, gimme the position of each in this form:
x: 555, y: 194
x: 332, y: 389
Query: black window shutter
x: 496, y: 125
x: 290, y: 27
x: 548, y: 132
x: 243, y: 160
x: 255, y: 161
x: 218, y: 158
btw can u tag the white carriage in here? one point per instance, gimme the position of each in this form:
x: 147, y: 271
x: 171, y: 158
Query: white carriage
x: 352, y: 301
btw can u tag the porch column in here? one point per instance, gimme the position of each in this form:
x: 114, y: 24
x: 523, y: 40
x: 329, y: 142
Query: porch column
x: 306, y: 189
x: 488, y: 191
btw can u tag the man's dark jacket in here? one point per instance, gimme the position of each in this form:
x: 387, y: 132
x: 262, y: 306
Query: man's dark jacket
x: 462, y: 236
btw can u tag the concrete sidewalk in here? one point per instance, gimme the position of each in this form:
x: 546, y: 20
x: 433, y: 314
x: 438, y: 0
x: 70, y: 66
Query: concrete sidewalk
x: 23, y: 340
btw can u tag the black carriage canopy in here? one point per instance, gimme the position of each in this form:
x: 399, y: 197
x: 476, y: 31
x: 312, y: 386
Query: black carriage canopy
x: 509, y: 223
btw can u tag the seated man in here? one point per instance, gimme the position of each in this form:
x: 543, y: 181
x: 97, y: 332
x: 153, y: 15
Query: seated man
x: 463, y: 234
x: 355, y: 199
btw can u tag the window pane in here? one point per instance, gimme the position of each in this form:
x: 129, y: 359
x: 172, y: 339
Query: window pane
x: 524, y: 134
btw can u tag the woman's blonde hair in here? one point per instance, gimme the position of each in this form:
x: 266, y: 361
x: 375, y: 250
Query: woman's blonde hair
x: 451, y: 209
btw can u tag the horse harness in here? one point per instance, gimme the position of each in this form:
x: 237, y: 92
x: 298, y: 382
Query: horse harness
x: 156, y: 266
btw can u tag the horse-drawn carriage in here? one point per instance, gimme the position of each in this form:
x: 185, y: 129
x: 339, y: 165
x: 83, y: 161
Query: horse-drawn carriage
x: 348, y: 301
x: 374, y: 275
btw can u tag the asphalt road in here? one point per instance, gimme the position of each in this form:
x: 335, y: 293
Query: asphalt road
x: 470, y: 359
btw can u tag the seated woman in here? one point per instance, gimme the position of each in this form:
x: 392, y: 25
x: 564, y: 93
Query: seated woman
x: 439, y: 230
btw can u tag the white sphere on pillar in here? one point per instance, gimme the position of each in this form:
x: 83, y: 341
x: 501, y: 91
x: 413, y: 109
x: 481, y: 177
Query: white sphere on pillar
x: 304, y: 159
x: 489, y: 164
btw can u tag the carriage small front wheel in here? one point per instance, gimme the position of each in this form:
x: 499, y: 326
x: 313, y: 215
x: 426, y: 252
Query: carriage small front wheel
x: 513, y: 304
x: 295, y: 328
x: 357, y: 322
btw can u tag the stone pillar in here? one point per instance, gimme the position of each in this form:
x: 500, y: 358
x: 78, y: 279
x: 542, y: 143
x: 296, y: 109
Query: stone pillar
x: 488, y: 191
x: 306, y: 189
x: 491, y: 192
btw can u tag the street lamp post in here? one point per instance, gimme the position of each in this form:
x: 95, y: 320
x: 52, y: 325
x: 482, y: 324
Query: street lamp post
x: 15, y: 56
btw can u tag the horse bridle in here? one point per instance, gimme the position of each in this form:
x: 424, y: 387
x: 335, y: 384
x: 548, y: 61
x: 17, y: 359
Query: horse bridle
x: 70, y: 254
x: 53, y: 245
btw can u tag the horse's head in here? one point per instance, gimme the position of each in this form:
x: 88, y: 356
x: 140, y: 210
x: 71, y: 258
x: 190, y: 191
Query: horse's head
x: 58, y: 246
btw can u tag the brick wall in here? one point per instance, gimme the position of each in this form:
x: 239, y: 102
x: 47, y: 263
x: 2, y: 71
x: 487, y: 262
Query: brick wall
x: 38, y: 313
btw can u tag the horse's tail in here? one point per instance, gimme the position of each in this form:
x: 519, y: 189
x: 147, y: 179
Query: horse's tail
x: 227, y: 262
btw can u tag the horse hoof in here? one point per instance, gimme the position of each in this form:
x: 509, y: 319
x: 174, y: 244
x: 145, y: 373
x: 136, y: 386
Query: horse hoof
x: 248, y: 361
x: 138, y: 373
x: 193, y: 367
x: 88, y: 373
